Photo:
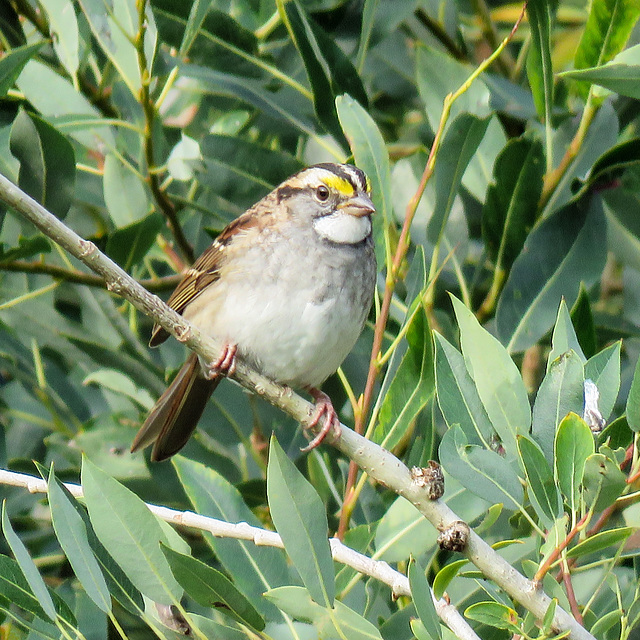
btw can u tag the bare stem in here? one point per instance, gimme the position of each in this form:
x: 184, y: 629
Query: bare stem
x: 393, y: 274
x: 149, y: 109
x: 167, y: 283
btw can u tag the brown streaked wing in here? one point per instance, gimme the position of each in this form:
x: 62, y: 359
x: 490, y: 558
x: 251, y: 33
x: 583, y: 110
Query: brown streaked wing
x: 204, y: 272
x: 206, y: 269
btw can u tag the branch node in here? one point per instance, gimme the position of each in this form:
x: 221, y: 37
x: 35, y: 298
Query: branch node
x: 115, y: 286
x: 430, y: 478
x: 183, y: 334
x: 86, y: 248
x: 454, y: 537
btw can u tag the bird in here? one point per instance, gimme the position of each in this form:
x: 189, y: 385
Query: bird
x: 286, y: 287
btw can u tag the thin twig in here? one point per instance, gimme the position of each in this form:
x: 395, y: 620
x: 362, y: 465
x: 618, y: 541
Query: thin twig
x: 149, y: 109
x: 167, y: 283
x: 571, y: 595
x: 440, y: 34
x: 379, y: 464
x: 393, y: 274
x: 546, y: 565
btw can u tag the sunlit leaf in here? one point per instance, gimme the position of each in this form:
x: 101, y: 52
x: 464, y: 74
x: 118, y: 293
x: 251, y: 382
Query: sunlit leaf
x: 300, y: 519
x: 574, y: 444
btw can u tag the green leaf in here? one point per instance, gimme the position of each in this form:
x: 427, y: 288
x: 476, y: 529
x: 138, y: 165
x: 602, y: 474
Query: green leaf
x: 59, y: 102
x: 63, y: 26
x: 403, y: 532
x: 12, y: 63
x: 583, y: 323
x: 208, y: 35
x: 496, y: 377
x: 47, y: 163
x: 304, y: 39
x: 457, y: 395
x: 574, y: 444
x: 421, y: 595
x: 601, y: 135
x: 539, y: 62
x: 212, y: 589
x: 438, y: 75
x: 284, y: 106
x: 370, y: 154
x: 617, y: 75
x: 185, y: 158
x: 600, y: 541
x: 120, y: 586
x: 118, y: 382
x: 124, y: 193
x: 604, y: 370
x: 564, y: 337
x: 613, y: 164
x: 495, y: 615
x: 445, y: 576
x: 341, y: 622
x: 27, y: 247
x: 606, y: 32
x: 72, y: 535
x: 344, y: 77
x: 197, y: 15
x: 483, y: 472
x: 510, y: 208
x: 28, y: 567
x: 606, y: 622
x: 130, y: 533
x: 130, y: 244
x: 115, y: 26
x: 603, y: 481
x: 460, y: 143
x: 633, y: 401
x: 300, y: 519
x: 412, y: 386
x: 543, y: 493
x: 253, y: 569
x: 562, y: 251
x: 547, y: 621
x: 241, y: 170
x: 561, y: 391
x: 17, y: 591
x: 479, y: 172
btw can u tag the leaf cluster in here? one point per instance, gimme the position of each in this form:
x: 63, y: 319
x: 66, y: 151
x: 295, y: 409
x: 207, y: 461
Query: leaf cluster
x: 503, y: 338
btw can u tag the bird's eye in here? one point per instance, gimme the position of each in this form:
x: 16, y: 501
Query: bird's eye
x: 322, y: 193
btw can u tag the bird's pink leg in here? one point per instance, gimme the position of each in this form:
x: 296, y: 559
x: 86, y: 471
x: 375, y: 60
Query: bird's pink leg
x: 225, y: 365
x: 323, y: 409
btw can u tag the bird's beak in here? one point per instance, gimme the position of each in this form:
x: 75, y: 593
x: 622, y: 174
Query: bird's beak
x: 358, y: 206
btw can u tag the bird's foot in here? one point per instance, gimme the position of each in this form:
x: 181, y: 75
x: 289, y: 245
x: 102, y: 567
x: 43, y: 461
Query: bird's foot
x: 225, y: 365
x: 323, y: 410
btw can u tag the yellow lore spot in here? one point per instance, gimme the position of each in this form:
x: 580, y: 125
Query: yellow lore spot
x: 339, y: 184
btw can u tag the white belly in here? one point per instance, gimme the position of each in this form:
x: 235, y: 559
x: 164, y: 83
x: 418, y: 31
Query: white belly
x: 299, y: 339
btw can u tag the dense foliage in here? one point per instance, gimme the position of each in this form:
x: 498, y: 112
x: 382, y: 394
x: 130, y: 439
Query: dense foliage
x: 504, y: 333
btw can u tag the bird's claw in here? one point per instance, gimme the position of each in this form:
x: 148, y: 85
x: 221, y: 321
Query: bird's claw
x: 331, y: 424
x: 225, y: 365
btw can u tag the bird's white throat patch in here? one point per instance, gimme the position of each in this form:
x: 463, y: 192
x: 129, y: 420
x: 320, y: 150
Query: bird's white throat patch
x: 342, y: 228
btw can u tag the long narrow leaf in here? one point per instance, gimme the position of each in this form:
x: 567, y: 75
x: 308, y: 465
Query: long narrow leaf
x: 28, y: 567
x: 72, y: 535
x: 300, y: 519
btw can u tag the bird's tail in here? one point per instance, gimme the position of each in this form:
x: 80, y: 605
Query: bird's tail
x: 174, y: 417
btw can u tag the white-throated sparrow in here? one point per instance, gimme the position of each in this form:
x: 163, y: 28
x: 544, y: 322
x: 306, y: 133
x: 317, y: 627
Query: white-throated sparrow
x: 287, y: 286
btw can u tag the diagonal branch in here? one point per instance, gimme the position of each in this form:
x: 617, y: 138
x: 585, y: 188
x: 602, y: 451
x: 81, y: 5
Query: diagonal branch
x: 378, y: 463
